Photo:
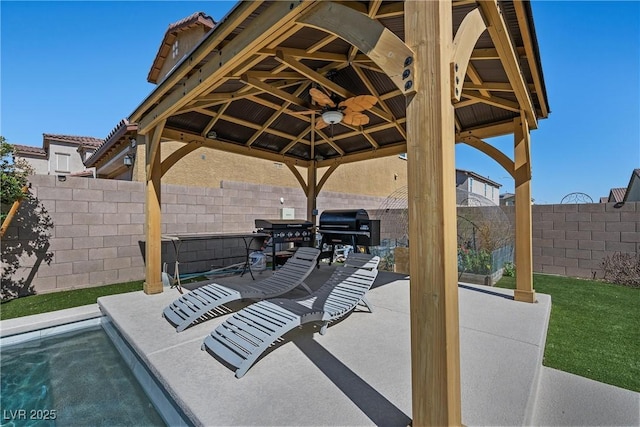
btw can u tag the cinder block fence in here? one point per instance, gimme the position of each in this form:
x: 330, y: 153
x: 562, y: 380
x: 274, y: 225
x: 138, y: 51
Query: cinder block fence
x: 98, y: 229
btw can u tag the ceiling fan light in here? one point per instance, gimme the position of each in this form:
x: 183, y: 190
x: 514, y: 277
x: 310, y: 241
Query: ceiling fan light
x: 332, y: 117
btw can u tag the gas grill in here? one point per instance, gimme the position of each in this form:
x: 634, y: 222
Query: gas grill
x: 347, y: 227
x: 296, y: 231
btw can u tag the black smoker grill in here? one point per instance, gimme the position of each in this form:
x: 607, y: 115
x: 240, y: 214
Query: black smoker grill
x: 296, y: 231
x: 348, y: 227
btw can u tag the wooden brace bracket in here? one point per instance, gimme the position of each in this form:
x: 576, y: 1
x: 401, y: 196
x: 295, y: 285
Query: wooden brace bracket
x: 372, y: 38
x: 465, y: 40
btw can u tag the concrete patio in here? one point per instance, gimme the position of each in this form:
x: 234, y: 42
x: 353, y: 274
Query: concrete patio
x: 358, y: 373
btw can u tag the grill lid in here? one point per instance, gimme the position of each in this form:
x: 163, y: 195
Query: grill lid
x: 345, y: 220
x: 282, y: 224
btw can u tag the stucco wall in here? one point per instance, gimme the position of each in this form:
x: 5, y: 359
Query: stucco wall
x: 207, y: 168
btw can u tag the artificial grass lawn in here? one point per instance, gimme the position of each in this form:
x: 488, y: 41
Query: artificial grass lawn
x: 594, y: 329
x: 35, y: 304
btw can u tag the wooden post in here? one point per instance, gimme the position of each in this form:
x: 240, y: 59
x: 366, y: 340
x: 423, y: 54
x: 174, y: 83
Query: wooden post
x: 435, y: 343
x: 312, y: 195
x: 153, y: 226
x: 524, y: 262
x: 14, y: 208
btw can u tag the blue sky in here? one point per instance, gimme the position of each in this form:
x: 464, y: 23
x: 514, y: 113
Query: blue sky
x: 78, y: 68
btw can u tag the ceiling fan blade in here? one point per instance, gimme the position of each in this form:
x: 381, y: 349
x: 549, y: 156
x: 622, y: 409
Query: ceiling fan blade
x: 355, y: 118
x: 359, y: 103
x: 321, y: 124
x: 321, y: 98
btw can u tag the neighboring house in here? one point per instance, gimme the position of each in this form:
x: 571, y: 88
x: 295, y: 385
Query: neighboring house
x: 60, y: 154
x: 477, y: 184
x: 119, y: 157
x: 630, y: 193
x: 507, y: 199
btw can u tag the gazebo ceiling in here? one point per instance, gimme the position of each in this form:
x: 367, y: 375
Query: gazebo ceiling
x: 255, y: 99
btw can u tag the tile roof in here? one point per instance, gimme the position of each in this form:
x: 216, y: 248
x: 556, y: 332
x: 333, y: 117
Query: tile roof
x: 29, y: 150
x: 74, y: 139
x: 113, y: 140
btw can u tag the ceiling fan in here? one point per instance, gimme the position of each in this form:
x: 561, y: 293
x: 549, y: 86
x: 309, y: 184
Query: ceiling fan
x: 348, y: 111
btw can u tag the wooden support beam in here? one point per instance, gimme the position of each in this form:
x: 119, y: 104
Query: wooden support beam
x: 230, y: 147
x: 330, y: 142
x: 524, y: 247
x: 324, y: 81
x: 467, y: 36
x: 373, y: 39
x: 269, y: 25
x: 153, y: 145
x: 12, y: 212
x: 298, y: 176
x: 386, y: 151
x: 495, y: 101
x: 266, y: 87
x: 523, y: 23
x: 508, y: 57
x: 492, y: 53
x: 276, y: 114
x: 390, y: 10
x: 488, y: 149
x: 326, y: 175
x: 173, y: 158
x: 290, y: 145
x: 312, y: 192
x: 153, y: 214
x: 305, y: 54
x: 435, y: 342
x: 477, y: 80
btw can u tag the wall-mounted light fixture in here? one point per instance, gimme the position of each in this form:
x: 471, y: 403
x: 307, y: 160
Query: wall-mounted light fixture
x: 128, y: 160
x: 212, y: 134
x: 132, y: 142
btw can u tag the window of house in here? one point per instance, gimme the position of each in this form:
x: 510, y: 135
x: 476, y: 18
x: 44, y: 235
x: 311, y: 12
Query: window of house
x: 486, y: 187
x: 471, y: 184
x: 62, y: 162
x: 174, y: 50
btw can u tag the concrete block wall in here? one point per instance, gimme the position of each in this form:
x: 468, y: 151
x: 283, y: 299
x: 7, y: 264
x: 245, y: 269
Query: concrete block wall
x: 98, y: 231
x: 572, y: 240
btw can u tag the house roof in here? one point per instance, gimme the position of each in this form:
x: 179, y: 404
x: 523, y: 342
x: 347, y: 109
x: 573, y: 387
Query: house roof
x: 47, y: 138
x: 73, y: 139
x: 478, y: 177
x: 121, y: 134
x: 635, y: 176
x: 247, y: 82
x: 28, y: 150
x: 198, y: 19
x: 617, y: 194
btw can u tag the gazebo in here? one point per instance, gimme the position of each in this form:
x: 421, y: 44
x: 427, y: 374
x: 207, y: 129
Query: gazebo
x: 441, y: 73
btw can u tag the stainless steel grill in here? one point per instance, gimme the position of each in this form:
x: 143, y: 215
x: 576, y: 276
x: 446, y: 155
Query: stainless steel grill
x: 281, y: 231
x: 348, y: 227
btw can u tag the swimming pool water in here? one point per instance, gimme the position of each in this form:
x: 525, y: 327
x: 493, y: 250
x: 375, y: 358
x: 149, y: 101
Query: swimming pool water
x: 71, y: 379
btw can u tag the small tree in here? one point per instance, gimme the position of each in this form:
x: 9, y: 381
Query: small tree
x: 33, y: 222
x: 13, y: 175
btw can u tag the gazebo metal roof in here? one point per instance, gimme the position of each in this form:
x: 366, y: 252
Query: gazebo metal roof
x: 255, y: 105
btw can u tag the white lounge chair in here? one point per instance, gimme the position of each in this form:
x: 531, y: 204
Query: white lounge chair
x: 208, y: 300
x: 242, y: 338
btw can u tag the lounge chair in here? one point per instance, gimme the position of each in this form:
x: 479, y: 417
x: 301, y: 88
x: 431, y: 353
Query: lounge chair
x: 243, y: 337
x: 208, y: 300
